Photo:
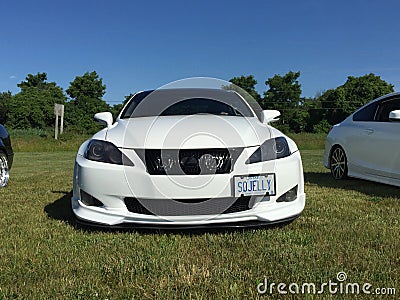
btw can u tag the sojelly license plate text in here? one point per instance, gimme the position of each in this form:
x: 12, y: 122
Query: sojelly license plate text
x: 254, y: 185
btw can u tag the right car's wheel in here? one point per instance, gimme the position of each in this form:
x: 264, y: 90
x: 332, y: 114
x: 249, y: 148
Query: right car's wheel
x: 338, y: 163
x: 4, y: 170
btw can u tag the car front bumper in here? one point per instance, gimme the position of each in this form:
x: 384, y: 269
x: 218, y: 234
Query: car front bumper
x: 112, y: 184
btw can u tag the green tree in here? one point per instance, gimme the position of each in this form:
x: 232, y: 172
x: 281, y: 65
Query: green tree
x: 5, y: 99
x: 88, y: 86
x: 297, y: 119
x: 33, y: 106
x: 315, y: 115
x: 284, y: 91
x: 37, y: 81
x: 354, y: 93
x: 284, y: 94
x: 361, y: 90
x: 86, y: 94
x: 247, y: 83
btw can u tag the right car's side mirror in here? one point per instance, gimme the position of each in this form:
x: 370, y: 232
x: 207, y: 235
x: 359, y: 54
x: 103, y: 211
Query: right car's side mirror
x: 394, y: 116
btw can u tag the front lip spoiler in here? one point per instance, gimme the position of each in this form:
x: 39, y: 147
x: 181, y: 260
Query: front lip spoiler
x: 155, y: 227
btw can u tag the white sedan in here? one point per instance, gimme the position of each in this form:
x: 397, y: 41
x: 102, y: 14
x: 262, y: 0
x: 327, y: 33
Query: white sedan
x: 188, y: 158
x: 366, y: 145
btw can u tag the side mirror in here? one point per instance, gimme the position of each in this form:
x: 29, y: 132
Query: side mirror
x: 270, y: 116
x: 394, y: 116
x: 104, y: 118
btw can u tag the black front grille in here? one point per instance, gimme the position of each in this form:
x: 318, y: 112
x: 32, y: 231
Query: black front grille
x: 187, y: 207
x: 241, y: 204
x: 190, y: 161
x: 133, y: 205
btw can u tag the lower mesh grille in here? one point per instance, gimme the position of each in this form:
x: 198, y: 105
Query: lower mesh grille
x: 187, y: 207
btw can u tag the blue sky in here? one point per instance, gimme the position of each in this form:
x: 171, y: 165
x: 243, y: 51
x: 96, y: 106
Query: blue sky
x: 139, y: 45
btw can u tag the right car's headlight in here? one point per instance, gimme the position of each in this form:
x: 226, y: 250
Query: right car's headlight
x: 271, y: 149
x: 106, y: 152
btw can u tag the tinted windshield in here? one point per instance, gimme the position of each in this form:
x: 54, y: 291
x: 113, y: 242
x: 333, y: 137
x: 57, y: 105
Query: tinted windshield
x: 186, y: 102
x: 200, y: 106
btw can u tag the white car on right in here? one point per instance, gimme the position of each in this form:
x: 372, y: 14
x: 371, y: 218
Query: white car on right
x: 366, y: 144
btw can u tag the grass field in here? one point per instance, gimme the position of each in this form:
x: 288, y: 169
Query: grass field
x: 351, y: 226
x: 38, y: 140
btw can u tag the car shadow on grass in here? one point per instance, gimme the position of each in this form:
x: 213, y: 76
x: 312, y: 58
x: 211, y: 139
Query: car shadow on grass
x: 376, y: 191
x: 61, y: 210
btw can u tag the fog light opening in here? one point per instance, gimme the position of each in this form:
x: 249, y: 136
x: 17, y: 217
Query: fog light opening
x: 289, y: 196
x: 89, y: 200
x: 266, y: 197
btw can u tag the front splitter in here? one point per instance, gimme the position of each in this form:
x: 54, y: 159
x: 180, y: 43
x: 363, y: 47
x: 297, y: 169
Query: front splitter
x: 180, y: 227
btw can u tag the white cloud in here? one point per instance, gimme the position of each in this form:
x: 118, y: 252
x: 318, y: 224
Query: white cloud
x: 13, y: 77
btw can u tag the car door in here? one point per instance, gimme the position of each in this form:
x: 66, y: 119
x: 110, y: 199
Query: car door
x: 384, y: 142
x: 358, y: 133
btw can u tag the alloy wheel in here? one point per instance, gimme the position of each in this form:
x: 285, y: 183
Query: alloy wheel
x: 338, y: 163
x: 4, y: 170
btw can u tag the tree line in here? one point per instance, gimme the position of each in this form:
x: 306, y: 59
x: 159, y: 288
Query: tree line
x: 33, y: 106
x: 318, y: 114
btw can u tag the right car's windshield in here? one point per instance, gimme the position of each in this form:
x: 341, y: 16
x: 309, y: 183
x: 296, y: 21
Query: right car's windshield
x: 186, y: 102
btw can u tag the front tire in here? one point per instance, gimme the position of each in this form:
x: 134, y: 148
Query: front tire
x: 338, y: 163
x: 4, y: 170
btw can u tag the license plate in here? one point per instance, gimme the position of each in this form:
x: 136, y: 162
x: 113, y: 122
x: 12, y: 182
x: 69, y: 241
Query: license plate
x: 263, y: 184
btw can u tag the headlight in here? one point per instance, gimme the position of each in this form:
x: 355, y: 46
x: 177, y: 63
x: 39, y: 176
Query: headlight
x: 271, y: 149
x: 106, y: 152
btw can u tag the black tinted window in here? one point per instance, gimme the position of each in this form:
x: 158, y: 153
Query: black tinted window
x: 384, y: 109
x: 186, y: 102
x: 134, y: 102
x: 366, y: 114
x: 199, y: 106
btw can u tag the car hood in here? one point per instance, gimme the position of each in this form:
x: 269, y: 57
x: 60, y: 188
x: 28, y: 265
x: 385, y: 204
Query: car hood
x: 188, y: 132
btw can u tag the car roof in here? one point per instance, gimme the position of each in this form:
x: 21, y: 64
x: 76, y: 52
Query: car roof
x: 385, y: 96
x: 192, y: 91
